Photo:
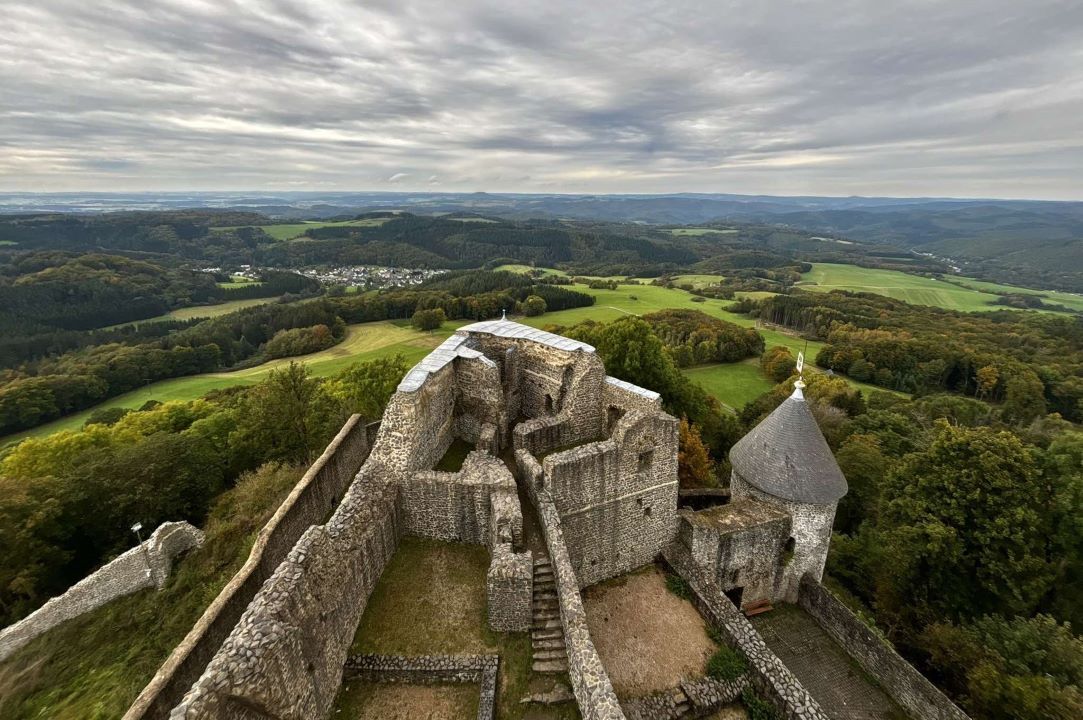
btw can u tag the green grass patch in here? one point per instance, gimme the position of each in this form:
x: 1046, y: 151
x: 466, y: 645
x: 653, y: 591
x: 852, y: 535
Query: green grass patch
x: 95, y: 665
x: 975, y: 296
x: 733, y: 384
x: 527, y: 269
x: 431, y: 599
x: 726, y: 664
x: 678, y: 586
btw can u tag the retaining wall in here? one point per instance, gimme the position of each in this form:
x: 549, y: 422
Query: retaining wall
x: 896, y: 676
x: 768, y: 674
x: 309, y: 503
x: 146, y: 565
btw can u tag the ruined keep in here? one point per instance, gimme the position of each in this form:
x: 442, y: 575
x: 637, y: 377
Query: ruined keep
x: 597, y: 458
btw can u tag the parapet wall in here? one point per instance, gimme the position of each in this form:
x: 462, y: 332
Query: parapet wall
x: 773, y: 679
x: 590, y: 682
x: 896, y: 676
x: 146, y: 565
x: 285, y: 657
x: 309, y: 503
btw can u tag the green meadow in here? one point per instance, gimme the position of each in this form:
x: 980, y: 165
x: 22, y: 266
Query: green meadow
x: 697, y: 231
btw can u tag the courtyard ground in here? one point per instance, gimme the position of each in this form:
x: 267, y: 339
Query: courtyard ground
x: 386, y: 701
x: 648, y: 638
x: 431, y: 600
x: 842, y: 688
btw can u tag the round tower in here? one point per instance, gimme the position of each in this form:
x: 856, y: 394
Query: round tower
x: 786, y: 462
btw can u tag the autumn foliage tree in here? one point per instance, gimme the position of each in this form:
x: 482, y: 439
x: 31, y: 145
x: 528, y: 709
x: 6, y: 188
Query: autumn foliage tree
x: 694, y: 466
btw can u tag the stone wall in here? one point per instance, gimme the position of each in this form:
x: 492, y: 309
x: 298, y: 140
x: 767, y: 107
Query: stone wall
x: 690, y: 699
x: 770, y: 677
x: 418, y: 425
x: 898, y: 678
x: 590, y: 682
x: 810, y: 530
x: 146, y: 565
x: 741, y: 544
x: 617, y: 498
x: 456, y: 507
x: 432, y: 670
x: 285, y: 657
x: 479, y: 401
x: 310, y: 502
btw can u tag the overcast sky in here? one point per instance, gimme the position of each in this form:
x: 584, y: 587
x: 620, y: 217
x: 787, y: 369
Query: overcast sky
x: 975, y: 98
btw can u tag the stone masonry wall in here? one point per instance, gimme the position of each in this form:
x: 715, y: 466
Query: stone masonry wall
x: 590, y: 682
x: 431, y: 670
x: 146, y: 565
x: 811, y: 531
x: 419, y: 425
x: 745, y: 555
x: 316, y: 494
x: 479, y: 401
x: 773, y: 680
x: 285, y: 657
x: 898, y: 678
x: 617, y: 498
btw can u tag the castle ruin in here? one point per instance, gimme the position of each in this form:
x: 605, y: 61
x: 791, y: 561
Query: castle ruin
x: 596, y: 460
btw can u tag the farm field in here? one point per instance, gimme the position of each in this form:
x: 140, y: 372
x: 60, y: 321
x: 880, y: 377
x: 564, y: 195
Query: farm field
x: 208, y: 311
x: 1068, y: 300
x: 289, y: 231
x: 526, y: 270
x: 734, y: 384
x: 238, y: 281
x: 367, y: 341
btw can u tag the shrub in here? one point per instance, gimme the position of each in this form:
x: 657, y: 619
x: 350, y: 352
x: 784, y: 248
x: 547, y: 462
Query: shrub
x: 678, y: 586
x: 429, y: 319
x: 726, y: 664
x: 758, y: 708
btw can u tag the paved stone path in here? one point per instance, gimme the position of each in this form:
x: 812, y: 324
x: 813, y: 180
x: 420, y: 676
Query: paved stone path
x: 827, y: 672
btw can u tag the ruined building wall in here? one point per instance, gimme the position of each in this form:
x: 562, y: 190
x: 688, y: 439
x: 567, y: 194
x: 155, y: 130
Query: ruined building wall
x: 418, y: 426
x: 738, y: 545
x: 479, y: 401
x: 811, y: 532
x: 591, y: 686
x: 312, y: 499
x: 617, y: 498
x: 146, y: 565
x: 285, y: 657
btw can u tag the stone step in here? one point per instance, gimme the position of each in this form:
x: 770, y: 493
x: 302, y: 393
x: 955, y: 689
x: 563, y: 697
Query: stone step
x: 543, y: 571
x: 544, y: 594
x: 545, y: 587
x: 549, y: 666
x: 542, y: 560
x: 546, y: 615
x: 548, y: 644
x: 546, y: 625
x: 545, y: 604
x: 537, y: 635
x: 550, y: 655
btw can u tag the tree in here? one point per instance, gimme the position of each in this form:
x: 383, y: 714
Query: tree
x: 778, y: 363
x: 987, y: 378
x: 694, y: 466
x: 534, y: 306
x: 961, y: 531
x: 1024, y: 397
x: 429, y: 319
x: 1017, y: 669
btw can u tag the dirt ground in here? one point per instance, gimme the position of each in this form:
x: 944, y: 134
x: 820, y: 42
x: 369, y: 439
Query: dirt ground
x: 648, y: 638
x: 386, y: 701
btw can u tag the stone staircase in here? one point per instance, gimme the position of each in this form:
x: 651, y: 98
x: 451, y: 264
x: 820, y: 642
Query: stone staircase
x: 547, y: 635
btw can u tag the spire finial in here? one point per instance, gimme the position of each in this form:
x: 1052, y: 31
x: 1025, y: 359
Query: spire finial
x: 799, y: 384
x: 503, y: 314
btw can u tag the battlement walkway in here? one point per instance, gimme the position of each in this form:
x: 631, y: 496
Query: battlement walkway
x: 843, y: 690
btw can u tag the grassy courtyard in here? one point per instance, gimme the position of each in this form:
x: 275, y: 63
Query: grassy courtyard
x: 431, y: 600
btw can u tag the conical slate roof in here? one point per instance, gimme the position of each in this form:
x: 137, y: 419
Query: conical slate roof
x: 786, y: 456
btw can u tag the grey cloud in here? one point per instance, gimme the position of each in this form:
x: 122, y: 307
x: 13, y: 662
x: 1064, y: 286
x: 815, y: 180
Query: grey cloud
x: 963, y: 97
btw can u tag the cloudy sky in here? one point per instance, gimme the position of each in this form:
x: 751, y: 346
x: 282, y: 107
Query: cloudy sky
x: 977, y: 98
